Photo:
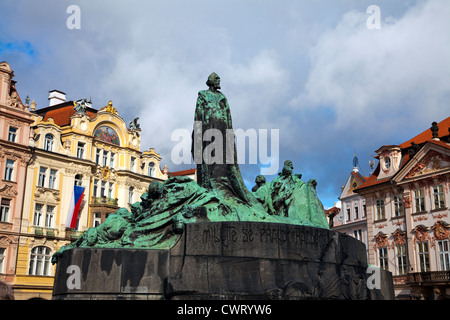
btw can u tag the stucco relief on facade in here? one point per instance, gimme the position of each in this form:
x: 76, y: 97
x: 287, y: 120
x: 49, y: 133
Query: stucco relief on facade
x: 381, y: 240
x: 441, y: 230
x: 432, y: 162
x: 399, y: 238
x: 421, y: 234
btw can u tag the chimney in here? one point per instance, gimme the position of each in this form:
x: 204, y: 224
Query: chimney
x: 56, y: 97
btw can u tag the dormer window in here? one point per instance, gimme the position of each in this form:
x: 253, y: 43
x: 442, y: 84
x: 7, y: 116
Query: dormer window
x: 390, y: 160
x: 48, y: 142
x: 387, y: 163
x: 151, y: 169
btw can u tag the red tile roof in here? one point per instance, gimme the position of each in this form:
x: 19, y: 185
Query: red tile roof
x: 425, y: 136
x: 182, y: 172
x: 62, y: 112
x: 359, y: 177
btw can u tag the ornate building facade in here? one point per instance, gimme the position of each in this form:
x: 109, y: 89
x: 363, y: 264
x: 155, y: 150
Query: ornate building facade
x: 15, y: 120
x: 74, y: 144
x: 407, y: 200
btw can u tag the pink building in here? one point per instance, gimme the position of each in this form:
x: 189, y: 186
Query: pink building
x: 408, y: 223
x: 351, y: 218
x: 15, y: 120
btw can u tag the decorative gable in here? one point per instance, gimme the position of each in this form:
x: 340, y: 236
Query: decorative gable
x: 354, y: 181
x: 432, y: 162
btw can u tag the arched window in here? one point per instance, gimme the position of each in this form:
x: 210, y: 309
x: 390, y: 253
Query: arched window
x: 40, y: 261
x: 151, y: 169
x: 48, y: 143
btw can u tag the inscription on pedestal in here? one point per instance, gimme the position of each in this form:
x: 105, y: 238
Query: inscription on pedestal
x: 259, y: 240
x: 226, y: 234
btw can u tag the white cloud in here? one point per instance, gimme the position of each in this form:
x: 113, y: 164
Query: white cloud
x: 400, y: 72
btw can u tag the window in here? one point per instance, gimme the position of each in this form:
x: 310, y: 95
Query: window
x: 364, y: 211
x: 9, y: 170
x: 105, y: 158
x: 438, y: 196
x: 383, y: 258
x: 380, y: 209
x: 2, y: 259
x: 398, y: 206
x: 97, y: 219
x: 424, y: 257
x: 12, y: 134
x: 37, y: 214
x: 387, y: 162
x: 48, y: 142
x: 110, y: 190
x: 132, y: 163
x: 42, y: 176
x: 444, y: 255
x: 112, y: 160
x: 78, y: 180
x: 52, y: 179
x: 356, y: 213
x: 97, y: 156
x: 419, y: 200
x: 130, y: 195
x: 103, y: 189
x: 348, y: 214
x: 401, y: 260
x: 40, y: 261
x: 95, y: 189
x: 357, y: 234
x: 4, y: 210
x: 49, y: 217
x: 80, y: 150
x: 151, y: 169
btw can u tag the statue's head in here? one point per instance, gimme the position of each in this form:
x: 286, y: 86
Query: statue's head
x: 287, y: 168
x: 260, y: 179
x: 213, y: 81
x: 288, y: 165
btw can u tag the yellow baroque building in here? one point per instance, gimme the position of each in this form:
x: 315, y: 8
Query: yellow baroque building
x: 75, y: 144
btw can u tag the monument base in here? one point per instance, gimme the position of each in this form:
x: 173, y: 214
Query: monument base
x: 228, y: 260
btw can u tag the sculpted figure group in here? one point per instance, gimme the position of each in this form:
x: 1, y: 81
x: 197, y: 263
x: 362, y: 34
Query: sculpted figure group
x: 156, y: 221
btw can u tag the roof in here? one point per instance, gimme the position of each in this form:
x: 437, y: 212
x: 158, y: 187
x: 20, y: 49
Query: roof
x: 182, y: 172
x: 425, y: 136
x: 444, y: 125
x: 359, y: 176
x: 62, y: 112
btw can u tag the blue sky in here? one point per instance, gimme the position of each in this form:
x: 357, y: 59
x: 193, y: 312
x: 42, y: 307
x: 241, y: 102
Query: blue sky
x: 311, y: 69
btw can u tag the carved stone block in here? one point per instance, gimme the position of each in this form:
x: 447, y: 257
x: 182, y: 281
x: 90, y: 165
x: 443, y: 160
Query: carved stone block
x: 228, y: 260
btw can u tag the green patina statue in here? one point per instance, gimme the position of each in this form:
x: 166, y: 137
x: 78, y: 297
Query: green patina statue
x: 156, y: 222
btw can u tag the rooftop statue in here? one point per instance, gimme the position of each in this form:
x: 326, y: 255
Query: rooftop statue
x: 157, y: 220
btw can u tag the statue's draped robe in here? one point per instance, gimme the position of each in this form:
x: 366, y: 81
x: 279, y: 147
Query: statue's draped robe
x: 217, y: 169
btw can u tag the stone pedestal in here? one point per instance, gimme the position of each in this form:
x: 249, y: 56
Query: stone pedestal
x: 227, y: 260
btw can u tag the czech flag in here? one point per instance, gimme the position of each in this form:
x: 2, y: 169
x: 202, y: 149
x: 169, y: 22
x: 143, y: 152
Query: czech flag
x: 74, y: 207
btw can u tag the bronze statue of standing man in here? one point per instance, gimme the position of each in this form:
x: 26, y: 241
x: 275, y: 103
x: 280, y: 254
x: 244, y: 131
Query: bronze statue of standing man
x: 213, y: 145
